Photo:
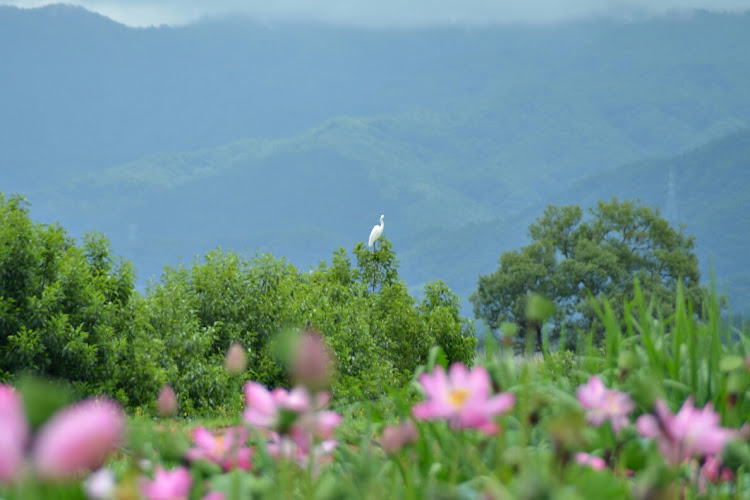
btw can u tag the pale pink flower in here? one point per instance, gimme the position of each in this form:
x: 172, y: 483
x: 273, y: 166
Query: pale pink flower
x: 167, y: 485
x: 14, y: 433
x: 267, y: 408
x: 602, y: 404
x: 396, y: 437
x: 690, y: 432
x: 592, y: 461
x: 462, y: 397
x: 236, y: 360
x: 78, y: 438
x: 227, y: 449
x: 215, y: 495
x: 166, y: 403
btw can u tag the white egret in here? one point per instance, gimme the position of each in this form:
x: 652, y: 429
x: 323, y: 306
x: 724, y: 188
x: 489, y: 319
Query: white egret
x: 376, y: 232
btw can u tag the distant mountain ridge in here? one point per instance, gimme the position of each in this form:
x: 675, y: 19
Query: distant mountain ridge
x: 295, y: 138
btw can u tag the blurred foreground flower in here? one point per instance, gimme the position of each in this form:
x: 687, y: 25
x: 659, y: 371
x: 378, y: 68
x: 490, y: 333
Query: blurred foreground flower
x: 311, y: 361
x: 227, y: 449
x: 78, y: 438
x: 688, y: 433
x: 166, y: 403
x: 236, y: 360
x: 462, y: 397
x: 602, y: 404
x: 167, y: 485
x: 74, y: 441
x: 14, y: 433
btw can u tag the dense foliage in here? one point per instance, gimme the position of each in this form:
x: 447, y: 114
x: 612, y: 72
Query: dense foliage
x: 71, y: 312
x: 575, y: 262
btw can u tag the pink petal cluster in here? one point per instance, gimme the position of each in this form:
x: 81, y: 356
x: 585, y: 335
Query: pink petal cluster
x: 688, y: 433
x: 167, y: 485
x: 592, y: 461
x: 14, y: 433
x: 280, y: 409
x: 74, y: 441
x: 301, y: 429
x: 462, y: 397
x: 227, y: 449
x: 602, y: 404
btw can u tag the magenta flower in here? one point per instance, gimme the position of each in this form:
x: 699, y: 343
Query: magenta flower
x: 602, y: 404
x: 227, y: 449
x: 462, y: 397
x: 592, y: 461
x: 687, y: 433
x: 78, y: 438
x: 14, y: 433
x: 167, y: 485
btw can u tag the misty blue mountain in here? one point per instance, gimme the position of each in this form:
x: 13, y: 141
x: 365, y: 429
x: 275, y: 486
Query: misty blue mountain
x: 294, y: 138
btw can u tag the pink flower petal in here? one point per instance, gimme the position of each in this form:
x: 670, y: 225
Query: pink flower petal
x: 78, y: 439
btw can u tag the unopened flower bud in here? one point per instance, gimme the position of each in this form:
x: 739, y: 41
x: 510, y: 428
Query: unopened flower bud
x: 236, y: 360
x: 311, y: 362
x: 166, y: 403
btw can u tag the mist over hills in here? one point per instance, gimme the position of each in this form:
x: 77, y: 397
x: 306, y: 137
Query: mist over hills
x: 294, y: 138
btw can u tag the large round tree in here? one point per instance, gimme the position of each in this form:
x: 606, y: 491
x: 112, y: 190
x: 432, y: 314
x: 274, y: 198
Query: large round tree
x: 572, y: 259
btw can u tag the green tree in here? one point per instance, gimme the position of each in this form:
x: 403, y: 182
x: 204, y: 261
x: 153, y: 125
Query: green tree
x: 572, y: 259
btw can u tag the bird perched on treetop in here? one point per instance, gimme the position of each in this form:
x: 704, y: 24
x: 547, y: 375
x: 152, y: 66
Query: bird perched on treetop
x: 377, y: 231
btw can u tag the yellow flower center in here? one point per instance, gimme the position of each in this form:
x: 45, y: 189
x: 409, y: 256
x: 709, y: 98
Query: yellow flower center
x: 457, y: 397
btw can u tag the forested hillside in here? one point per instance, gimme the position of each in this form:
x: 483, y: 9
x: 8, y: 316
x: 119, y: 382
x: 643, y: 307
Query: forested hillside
x: 293, y: 139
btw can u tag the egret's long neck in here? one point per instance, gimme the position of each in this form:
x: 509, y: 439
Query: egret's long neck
x: 382, y: 222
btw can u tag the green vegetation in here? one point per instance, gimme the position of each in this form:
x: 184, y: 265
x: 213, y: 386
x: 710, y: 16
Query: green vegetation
x: 72, y: 312
x: 576, y: 262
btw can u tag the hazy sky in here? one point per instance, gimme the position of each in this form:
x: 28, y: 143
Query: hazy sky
x: 385, y: 12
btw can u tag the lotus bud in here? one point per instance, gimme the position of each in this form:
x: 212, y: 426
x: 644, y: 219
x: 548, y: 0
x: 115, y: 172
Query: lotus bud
x: 166, y: 403
x: 236, y: 360
x: 311, y: 361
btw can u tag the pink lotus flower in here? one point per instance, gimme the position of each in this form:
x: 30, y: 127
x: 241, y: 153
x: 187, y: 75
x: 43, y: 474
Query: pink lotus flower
x: 78, y: 438
x: 462, y: 397
x: 604, y: 404
x: 167, y: 485
x: 592, y: 461
x: 14, y: 433
x: 228, y: 449
x: 688, y: 433
x: 264, y: 407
